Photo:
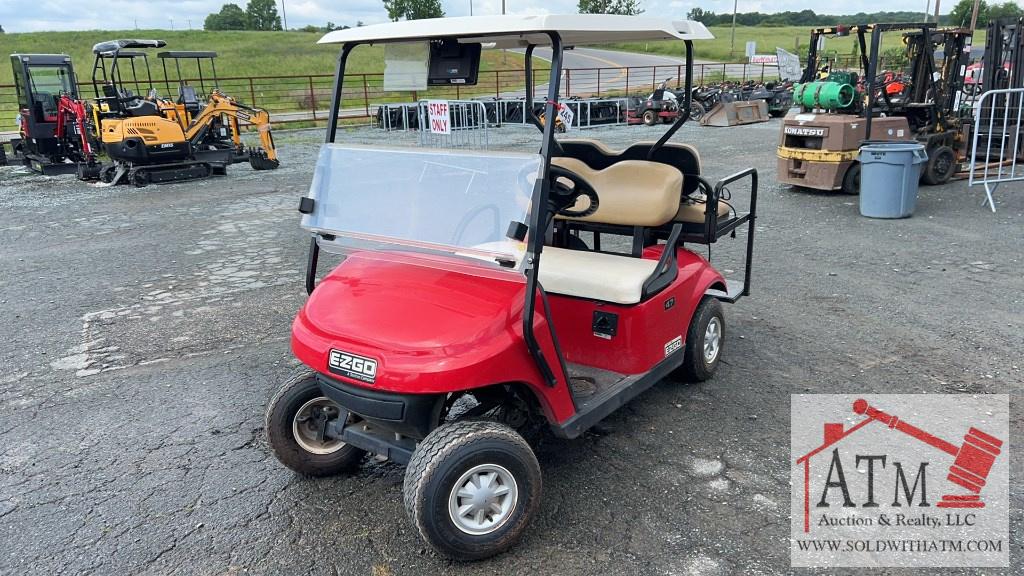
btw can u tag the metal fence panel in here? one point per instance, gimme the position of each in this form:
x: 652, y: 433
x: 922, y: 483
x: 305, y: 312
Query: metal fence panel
x: 468, y: 126
x: 996, y: 147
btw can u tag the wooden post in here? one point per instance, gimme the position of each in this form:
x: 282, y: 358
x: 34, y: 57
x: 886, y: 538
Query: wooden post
x: 366, y: 96
x: 312, y: 97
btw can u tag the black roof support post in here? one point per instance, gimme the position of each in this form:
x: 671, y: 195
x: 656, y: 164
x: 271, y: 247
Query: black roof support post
x: 538, y: 216
x: 684, y: 114
x: 332, y: 128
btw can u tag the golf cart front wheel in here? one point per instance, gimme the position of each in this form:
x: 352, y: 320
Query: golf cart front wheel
x: 471, y: 488
x: 704, y: 341
x: 650, y: 117
x: 295, y: 423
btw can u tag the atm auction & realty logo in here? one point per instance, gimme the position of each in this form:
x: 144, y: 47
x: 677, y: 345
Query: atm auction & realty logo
x: 916, y: 480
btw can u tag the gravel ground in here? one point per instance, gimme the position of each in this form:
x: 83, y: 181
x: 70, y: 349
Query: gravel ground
x: 145, y: 329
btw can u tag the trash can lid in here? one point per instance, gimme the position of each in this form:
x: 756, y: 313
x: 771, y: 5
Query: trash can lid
x: 892, y: 147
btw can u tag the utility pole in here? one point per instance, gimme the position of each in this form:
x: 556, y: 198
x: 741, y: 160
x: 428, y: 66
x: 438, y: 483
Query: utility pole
x: 937, y: 3
x: 974, y: 15
x: 502, y: 7
x: 470, y: 7
x: 927, y: 9
x: 284, y: 15
x: 732, y: 44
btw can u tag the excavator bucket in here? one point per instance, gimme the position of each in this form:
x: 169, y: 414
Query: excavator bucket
x: 736, y: 113
x: 259, y: 161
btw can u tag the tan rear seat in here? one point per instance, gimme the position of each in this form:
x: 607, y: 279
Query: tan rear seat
x: 631, y: 193
x: 691, y: 211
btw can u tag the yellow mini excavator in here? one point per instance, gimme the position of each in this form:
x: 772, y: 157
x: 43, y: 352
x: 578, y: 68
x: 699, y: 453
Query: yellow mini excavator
x: 152, y: 139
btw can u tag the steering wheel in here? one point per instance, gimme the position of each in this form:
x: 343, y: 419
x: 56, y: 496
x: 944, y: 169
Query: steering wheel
x: 562, y: 196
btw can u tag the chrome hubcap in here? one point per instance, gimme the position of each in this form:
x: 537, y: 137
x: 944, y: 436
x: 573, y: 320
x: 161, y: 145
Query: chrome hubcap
x: 483, y: 499
x: 309, y: 424
x: 712, y: 340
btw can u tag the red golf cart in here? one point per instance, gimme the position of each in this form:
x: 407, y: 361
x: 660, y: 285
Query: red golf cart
x: 485, y: 296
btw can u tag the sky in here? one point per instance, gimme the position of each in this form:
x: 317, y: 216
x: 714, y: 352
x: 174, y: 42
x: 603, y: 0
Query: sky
x: 34, y: 15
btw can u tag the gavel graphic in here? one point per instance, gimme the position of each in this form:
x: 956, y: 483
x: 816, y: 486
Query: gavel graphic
x: 972, y: 461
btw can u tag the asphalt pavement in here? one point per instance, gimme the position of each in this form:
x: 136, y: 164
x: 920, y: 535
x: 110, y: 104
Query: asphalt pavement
x: 144, y: 330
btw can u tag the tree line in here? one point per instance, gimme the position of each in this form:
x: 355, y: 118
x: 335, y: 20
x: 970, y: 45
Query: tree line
x: 258, y: 15
x: 959, y: 16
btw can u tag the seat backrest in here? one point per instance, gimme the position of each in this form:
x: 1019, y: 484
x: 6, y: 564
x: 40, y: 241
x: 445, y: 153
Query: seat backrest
x: 187, y: 97
x: 597, y: 155
x: 630, y: 192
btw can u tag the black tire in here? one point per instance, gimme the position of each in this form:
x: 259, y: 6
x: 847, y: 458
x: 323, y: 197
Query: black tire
x: 940, y: 166
x: 851, y: 180
x: 439, y: 463
x: 650, y: 117
x: 140, y: 179
x: 697, y: 111
x: 295, y: 393
x: 696, y: 366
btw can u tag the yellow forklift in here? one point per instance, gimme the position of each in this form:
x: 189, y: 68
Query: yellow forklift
x: 838, y: 110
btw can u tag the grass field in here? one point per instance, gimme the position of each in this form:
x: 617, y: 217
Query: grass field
x: 239, y: 53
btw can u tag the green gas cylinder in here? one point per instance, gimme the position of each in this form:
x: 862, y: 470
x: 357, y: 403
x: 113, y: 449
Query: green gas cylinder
x: 827, y: 95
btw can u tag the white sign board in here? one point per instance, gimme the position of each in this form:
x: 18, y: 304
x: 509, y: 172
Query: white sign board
x: 789, y: 65
x: 438, y: 116
x: 406, y: 65
x: 764, y: 59
x: 567, y: 116
x: 751, y: 48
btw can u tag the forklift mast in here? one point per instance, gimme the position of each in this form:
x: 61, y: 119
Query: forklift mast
x: 938, y: 85
x: 811, y: 71
x: 1004, y: 55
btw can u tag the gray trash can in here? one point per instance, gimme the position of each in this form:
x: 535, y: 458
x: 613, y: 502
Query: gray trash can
x: 889, y: 172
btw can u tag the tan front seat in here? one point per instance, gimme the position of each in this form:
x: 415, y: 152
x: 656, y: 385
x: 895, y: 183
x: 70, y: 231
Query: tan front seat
x: 631, y: 192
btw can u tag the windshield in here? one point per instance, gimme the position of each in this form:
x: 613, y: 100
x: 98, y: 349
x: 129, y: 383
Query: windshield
x: 449, y: 201
x: 47, y: 84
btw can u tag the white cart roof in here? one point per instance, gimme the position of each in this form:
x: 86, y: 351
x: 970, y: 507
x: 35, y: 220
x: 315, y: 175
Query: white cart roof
x: 519, y: 31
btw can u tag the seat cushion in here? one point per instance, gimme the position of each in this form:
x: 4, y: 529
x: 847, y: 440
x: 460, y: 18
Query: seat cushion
x: 594, y: 275
x: 692, y: 209
x: 631, y: 192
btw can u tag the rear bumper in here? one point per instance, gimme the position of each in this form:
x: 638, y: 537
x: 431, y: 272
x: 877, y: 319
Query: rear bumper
x: 413, y: 415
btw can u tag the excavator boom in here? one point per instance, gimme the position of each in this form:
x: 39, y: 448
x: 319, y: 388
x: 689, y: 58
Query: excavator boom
x: 262, y: 158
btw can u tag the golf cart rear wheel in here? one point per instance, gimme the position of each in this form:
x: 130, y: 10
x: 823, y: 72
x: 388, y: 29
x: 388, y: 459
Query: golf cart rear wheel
x: 851, y: 181
x: 295, y: 422
x: 471, y: 488
x: 940, y: 167
x: 704, y: 340
x: 650, y: 117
